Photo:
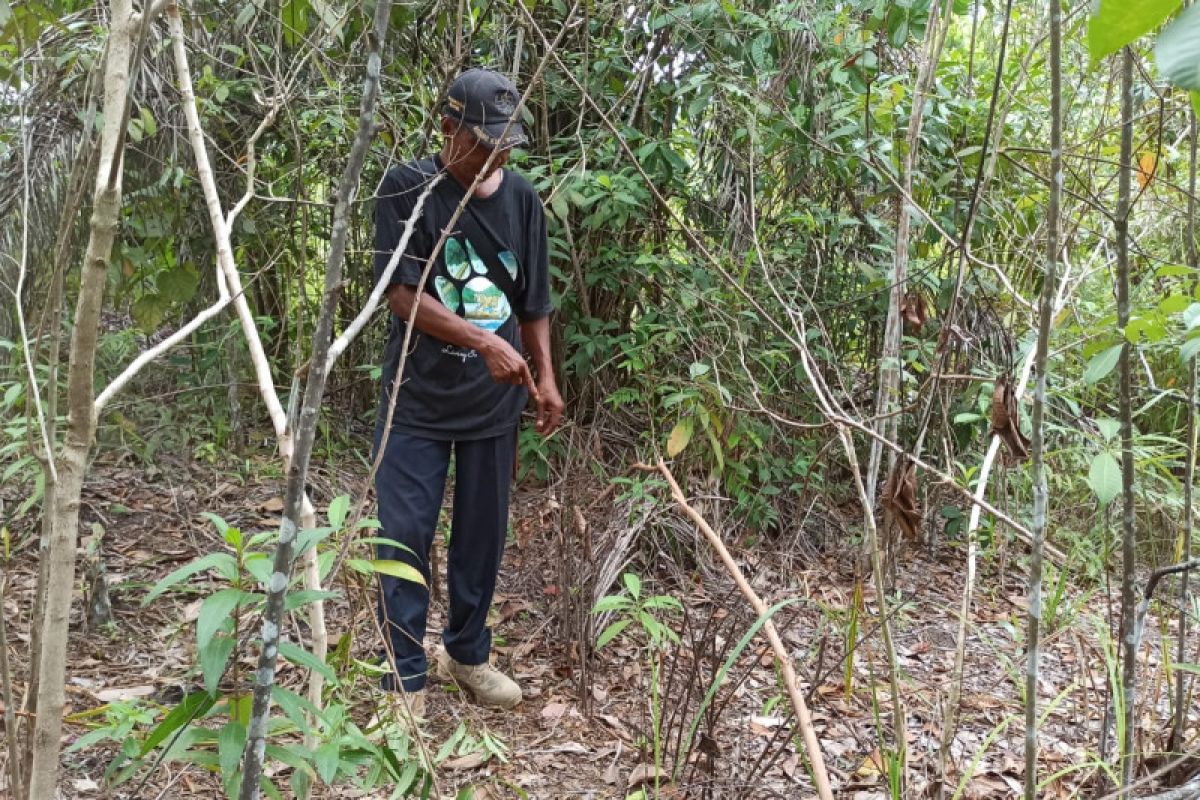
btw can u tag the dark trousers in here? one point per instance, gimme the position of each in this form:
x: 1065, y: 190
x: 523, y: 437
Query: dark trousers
x: 409, y: 485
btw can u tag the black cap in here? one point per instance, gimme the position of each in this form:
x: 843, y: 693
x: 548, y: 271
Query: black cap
x: 485, y: 101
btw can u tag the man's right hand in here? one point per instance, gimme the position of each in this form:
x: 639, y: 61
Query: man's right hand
x: 503, y: 361
x: 506, y: 365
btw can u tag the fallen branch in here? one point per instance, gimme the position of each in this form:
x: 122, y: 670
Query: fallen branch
x: 791, y: 682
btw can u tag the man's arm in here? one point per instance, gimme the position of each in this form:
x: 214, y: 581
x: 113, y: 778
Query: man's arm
x: 535, y: 335
x: 434, y: 319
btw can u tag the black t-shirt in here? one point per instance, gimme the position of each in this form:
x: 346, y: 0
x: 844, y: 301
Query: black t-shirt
x: 492, y: 271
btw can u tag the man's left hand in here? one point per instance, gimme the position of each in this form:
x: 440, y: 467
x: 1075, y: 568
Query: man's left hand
x: 549, y: 407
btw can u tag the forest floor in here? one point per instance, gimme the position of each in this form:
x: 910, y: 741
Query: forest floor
x: 561, y: 744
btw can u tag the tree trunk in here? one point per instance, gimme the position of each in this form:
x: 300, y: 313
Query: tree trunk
x: 229, y: 284
x: 888, y: 392
x: 63, y: 505
x: 1176, y: 743
x: 1040, y: 490
x: 1128, y: 534
x: 51, y: 324
x: 256, y: 736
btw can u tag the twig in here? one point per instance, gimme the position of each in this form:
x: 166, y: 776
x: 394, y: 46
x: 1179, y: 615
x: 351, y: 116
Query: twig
x: 1152, y: 584
x: 229, y: 282
x: 22, y: 270
x: 985, y: 469
x: 16, y: 783
x: 791, y: 682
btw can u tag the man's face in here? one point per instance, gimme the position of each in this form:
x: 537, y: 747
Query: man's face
x: 468, y: 153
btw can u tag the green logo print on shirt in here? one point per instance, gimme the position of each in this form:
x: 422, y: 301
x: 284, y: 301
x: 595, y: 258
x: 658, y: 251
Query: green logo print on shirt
x: 483, y: 302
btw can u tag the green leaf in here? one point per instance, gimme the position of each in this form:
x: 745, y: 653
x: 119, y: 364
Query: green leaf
x: 216, y: 520
x: 310, y: 537
x: 611, y: 632
x: 213, y: 660
x: 293, y: 755
x: 1105, y: 478
x: 634, y: 584
x: 13, y: 394
x: 192, y: 707
x: 1191, y: 316
x: 178, y: 285
x: 1120, y: 22
x: 558, y: 204
x: 1178, y: 50
x: 148, y: 123
x: 1192, y: 668
x: 338, y: 508
x: 1147, y: 327
x: 260, y: 566
x: 397, y: 569
x: 1174, y: 303
x: 680, y: 436
x: 383, y: 541
x: 663, y: 601
x: 215, y: 611
x: 245, y: 15
x: 294, y: 17
x: 1189, y: 349
x: 222, y: 563
x: 302, y: 658
x: 1108, y: 426
x: 148, y: 311
x: 295, y: 707
x: 1101, y: 364
x: 326, y: 760
x: 229, y: 746
x: 296, y: 600
x: 613, y: 602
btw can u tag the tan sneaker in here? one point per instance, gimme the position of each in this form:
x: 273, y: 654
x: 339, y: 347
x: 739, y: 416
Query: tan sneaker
x: 488, y: 685
x: 393, y: 711
x: 416, y: 704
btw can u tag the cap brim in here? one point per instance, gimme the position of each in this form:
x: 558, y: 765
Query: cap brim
x: 495, y: 136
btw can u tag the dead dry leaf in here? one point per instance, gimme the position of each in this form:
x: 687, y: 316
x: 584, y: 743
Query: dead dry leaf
x: 119, y: 693
x: 900, y: 498
x: 468, y: 762
x: 554, y: 711
x: 643, y: 774
x: 912, y: 310
x: 1006, y: 419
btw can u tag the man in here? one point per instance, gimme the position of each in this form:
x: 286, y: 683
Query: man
x: 465, y: 381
